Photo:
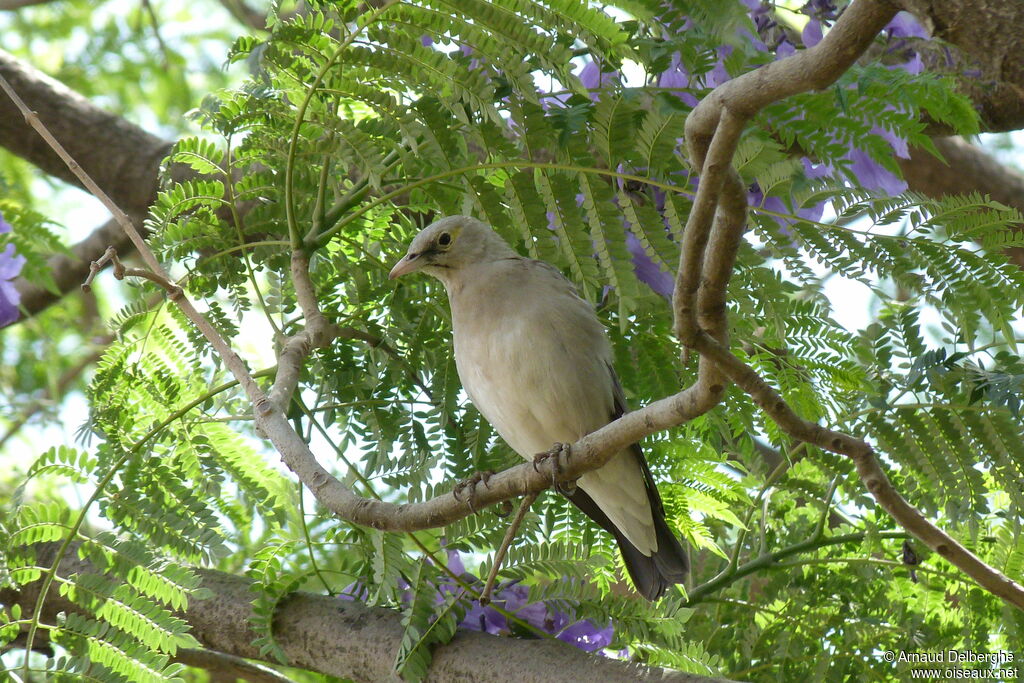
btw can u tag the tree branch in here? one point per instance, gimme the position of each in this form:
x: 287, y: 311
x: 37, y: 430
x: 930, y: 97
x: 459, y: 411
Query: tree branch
x: 712, y: 131
x: 966, y: 169
x: 349, y: 640
x: 246, y: 15
x: 768, y: 560
x: 121, y: 157
x: 870, y: 472
x: 18, y: 4
x: 228, y: 667
x: 714, y: 124
x: 589, y: 453
x: 990, y: 37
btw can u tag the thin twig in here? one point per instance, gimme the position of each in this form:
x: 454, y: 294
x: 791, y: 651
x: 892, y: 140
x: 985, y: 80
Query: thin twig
x: 499, y: 556
x: 121, y: 272
x: 870, y: 472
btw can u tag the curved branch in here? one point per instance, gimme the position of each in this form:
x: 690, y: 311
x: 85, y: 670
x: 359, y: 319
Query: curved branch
x: 870, y: 472
x: 589, y: 453
x: 712, y: 131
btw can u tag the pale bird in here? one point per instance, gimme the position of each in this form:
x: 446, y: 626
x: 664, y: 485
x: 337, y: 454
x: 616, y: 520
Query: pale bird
x: 536, y: 362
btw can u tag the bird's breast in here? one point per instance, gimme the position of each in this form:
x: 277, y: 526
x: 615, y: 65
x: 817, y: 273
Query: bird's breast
x: 530, y: 373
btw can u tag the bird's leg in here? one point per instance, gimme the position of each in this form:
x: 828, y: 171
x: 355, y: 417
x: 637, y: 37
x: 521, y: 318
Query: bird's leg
x: 470, y: 483
x: 566, y: 488
x: 499, y: 557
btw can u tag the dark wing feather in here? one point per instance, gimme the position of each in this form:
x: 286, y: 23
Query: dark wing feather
x: 669, y: 565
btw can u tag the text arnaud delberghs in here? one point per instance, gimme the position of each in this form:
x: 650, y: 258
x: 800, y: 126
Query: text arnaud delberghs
x: 956, y: 657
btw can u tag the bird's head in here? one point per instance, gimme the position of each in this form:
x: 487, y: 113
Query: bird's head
x: 447, y: 245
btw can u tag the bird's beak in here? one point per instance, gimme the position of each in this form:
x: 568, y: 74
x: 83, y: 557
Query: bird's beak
x: 406, y: 265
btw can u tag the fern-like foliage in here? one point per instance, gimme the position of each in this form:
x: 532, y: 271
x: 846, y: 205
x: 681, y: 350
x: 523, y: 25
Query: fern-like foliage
x: 356, y: 128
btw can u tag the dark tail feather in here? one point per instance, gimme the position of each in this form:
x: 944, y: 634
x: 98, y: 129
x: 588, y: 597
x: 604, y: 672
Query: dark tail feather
x: 651, y: 575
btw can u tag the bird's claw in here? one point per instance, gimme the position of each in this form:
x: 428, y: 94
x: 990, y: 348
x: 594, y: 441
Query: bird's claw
x: 470, y: 483
x: 566, y: 488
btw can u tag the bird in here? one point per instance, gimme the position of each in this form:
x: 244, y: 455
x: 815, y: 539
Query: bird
x: 536, y: 362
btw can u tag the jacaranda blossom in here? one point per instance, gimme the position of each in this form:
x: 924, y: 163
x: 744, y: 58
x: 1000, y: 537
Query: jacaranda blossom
x: 10, y: 266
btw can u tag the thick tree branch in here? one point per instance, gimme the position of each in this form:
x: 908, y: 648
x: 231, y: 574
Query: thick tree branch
x: 246, y: 15
x: 966, y: 169
x: 349, y: 640
x: 712, y: 131
x: 18, y: 4
x: 222, y: 666
x: 119, y: 156
x: 122, y: 158
x: 990, y: 35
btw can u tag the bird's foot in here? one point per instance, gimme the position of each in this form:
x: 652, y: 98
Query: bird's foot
x: 470, y: 483
x: 566, y: 488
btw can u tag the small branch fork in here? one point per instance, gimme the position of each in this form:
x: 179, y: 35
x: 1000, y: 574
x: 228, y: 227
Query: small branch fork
x: 713, y: 233
x: 121, y: 271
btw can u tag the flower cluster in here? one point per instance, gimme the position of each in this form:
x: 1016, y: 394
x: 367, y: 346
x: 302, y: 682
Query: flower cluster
x: 509, y: 598
x: 774, y: 40
x: 10, y: 266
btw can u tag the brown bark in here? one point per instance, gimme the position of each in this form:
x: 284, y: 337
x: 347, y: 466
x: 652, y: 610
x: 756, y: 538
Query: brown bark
x: 966, y: 169
x: 989, y: 35
x: 121, y: 157
x: 349, y: 640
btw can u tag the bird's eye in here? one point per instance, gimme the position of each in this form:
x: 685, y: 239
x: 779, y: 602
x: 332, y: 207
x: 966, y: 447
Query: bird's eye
x: 444, y: 239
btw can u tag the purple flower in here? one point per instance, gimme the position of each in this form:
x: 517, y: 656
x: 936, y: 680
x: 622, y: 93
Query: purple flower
x: 719, y: 75
x: 647, y: 271
x: 821, y: 9
x: 753, y: 39
x: 455, y: 562
x: 756, y: 198
x: 467, y: 51
x: 872, y: 175
x: 785, y: 49
x: 914, y: 65
x: 904, y: 25
x: 761, y: 14
x: 593, y: 78
x: 815, y: 171
x: 584, y: 635
x: 485, y: 619
x: 812, y: 33
x: 898, y: 144
x: 677, y: 78
x: 354, y: 591
x: 426, y: 40
x: 10, y: 266
x: 511, y: 597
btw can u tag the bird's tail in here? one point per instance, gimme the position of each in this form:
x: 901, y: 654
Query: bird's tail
x: 669, y: 565
x: 651, y: 574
